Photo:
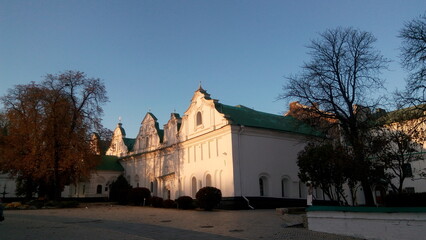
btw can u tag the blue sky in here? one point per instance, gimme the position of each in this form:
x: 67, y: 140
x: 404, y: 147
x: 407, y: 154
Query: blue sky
x: 152, y: 55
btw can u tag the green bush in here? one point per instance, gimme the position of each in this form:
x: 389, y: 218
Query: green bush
x: 119, y: 190
x: 169, y: 203
x: 157, y: 202
x: 208, y: 197
x: 139, y: 196
x: 185, y: 202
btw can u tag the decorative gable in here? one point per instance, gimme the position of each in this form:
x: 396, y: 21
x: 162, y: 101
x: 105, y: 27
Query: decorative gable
x: 150, y: 136
x: 201, y: 116
x: 118, y: 146
x: 171, y: 129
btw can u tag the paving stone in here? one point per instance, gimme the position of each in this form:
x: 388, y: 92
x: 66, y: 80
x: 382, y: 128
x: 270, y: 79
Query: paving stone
x: 144, y: 223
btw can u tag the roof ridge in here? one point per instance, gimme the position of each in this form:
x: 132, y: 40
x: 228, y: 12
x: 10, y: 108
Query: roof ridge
x: 241, y: 115
x: 242, y: 107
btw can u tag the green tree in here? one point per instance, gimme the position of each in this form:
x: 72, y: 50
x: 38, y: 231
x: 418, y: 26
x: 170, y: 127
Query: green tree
x: 119, y: 190
x: 325, y: 166
x: 340, y: 82
x: 49, y: 130
x: 208, y: 198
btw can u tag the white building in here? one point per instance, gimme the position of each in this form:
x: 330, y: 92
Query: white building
x: 243, y: 152
x: 97, y: 186
x: 7, y: 186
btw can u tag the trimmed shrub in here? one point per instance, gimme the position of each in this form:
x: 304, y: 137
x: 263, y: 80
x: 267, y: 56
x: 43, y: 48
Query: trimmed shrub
x: 119, y: 190
x: 157, y: 202
x: 169, y: 203
x: 208, y: 197
x: 185, y: 202
x: 139, y: 196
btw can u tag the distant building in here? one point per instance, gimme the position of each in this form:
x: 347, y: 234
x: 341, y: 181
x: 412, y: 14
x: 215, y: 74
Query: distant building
x: 7, y: 186
x: 97, y: 186
x: 408, y: 121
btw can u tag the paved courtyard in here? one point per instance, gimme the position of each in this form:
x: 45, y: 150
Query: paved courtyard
x: 145, y: 223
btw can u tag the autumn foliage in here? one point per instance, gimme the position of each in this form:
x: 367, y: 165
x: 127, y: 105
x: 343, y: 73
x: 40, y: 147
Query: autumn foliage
x: 46, y: 141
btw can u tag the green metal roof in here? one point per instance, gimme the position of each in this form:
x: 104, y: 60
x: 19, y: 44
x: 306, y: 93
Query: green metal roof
x: 152, y: 115
x: 241, y: 115
x: 160, y: 134
x: 129, y: 142
x: 109, y: 163
x: 177, y: 116
x: 404, y: 114
x: 123, y: 132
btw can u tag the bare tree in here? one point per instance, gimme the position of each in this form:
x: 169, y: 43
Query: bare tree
x: 413, y: 54
x: 340, y: 82
x: 49, y: 130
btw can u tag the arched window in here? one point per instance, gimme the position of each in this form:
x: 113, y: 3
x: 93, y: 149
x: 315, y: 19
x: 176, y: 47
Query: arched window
x: 99, y: 189
x: 285, y: 188
x: 263, y: 186
x: 208, y: 180
x: 199, y: 119
x: 302, y: 190
x: 194, y: 186
x: 155, y: 188
x: 137, y: 180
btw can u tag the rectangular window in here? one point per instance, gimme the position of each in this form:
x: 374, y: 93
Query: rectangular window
x: 189, y: 154
x: 99, y: 189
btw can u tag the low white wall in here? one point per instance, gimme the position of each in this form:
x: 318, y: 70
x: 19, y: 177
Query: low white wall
x: 369, y: 223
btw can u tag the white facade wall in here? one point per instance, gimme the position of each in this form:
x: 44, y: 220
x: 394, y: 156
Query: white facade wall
x: 269, y: 155
x: 7, y: 186
x: 99, y: 180
x: 393, y: 225
x: 208, y: 159
x: 418, y: 181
